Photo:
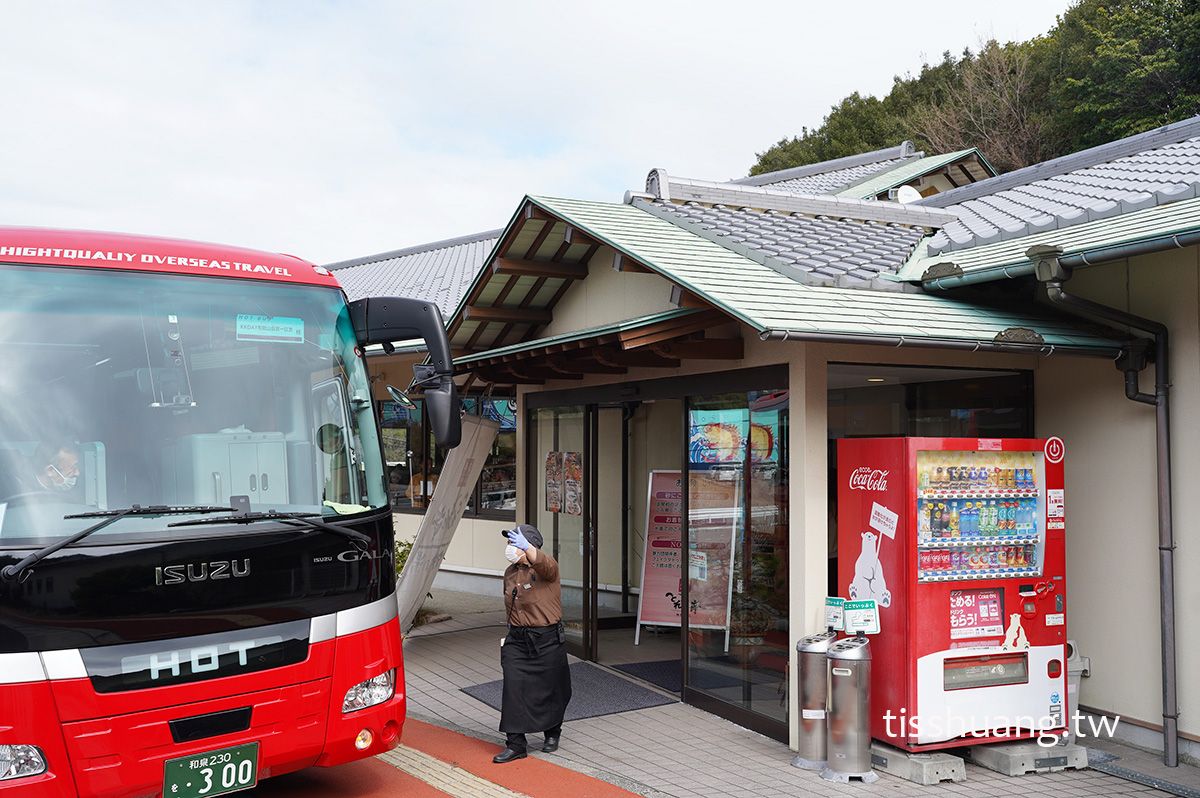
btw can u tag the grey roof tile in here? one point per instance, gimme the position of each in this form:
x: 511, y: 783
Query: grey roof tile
x: 442, y: 271
x: 1133, y: 174
x: 813, y: 250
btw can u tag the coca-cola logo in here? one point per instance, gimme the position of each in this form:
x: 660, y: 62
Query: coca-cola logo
x: 867, y: 478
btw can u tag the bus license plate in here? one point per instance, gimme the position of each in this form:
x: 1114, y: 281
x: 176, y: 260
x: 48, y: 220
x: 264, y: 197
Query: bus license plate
x: 211, y: 773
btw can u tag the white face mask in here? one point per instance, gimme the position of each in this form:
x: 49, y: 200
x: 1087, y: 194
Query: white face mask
x: 512, y: 553
x: 66, y: 484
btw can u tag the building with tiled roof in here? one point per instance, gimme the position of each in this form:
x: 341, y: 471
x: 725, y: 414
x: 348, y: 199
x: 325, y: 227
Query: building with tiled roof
x: 440, y: 271
x: 993, y: 307
x: 828, y: 177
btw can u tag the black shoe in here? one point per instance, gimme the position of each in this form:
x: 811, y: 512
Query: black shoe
x: 508, y: 755
x: 551, y: 744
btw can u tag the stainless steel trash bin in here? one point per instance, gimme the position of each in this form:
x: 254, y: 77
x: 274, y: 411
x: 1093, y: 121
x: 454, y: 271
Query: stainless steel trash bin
x: 849, y: 720
x: 814, y: 699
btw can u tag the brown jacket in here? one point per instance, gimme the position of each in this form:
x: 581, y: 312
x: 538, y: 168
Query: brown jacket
x: 532, y: 594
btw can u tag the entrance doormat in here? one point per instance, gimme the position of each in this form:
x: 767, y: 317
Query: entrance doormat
x: 594, y: 692
x: 668, y: 674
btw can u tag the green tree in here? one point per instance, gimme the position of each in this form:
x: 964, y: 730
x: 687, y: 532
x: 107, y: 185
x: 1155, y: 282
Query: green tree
x: 1127, y: 66
x: 1106, y: 70
x: 860, y: 124
x: 856, y: 124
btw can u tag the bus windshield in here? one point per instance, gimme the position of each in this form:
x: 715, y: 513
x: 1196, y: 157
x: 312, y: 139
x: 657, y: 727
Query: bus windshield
x: 123, y: 388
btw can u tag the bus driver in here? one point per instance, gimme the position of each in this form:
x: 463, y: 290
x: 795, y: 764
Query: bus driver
x: 55, y: 465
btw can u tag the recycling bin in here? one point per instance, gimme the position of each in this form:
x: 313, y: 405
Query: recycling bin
x: 848, y: 746
x: 811, y: 653
x: 1077, y: 666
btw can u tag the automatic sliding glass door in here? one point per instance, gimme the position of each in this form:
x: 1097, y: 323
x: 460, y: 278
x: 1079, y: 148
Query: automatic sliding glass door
x: 560, y: 507
x: 737, y: 557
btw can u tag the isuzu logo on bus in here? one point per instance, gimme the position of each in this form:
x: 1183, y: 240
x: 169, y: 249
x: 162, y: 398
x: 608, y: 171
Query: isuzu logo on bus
x: 867, y: 478
x: 201, y: 571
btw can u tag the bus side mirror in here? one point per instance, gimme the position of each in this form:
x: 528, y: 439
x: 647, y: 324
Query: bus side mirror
x: 444, y: 410
x: 382, y: 320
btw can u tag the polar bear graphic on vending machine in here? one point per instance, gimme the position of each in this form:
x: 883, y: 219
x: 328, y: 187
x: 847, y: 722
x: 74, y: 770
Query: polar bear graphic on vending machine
x: 1014, y: 637
x: 869, y: 582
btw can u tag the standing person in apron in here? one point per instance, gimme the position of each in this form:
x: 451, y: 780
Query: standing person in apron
x: 537, y: 683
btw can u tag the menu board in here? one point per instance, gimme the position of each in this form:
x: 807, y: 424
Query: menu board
x: 661, y: 599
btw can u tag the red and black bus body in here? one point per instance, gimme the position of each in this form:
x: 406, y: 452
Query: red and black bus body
x: 210, y: 599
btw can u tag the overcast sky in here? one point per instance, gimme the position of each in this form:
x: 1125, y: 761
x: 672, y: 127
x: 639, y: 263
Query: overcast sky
x: 333, y: 130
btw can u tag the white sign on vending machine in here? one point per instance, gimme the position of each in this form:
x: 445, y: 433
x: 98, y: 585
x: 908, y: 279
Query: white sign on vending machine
x: 883, y: 519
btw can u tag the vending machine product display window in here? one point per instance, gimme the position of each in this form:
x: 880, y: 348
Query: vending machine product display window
x: 977, y: 515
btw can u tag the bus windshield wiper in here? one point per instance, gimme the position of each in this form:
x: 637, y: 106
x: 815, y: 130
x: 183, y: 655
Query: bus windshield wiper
x: 359, y: 540
x: 11, y: 572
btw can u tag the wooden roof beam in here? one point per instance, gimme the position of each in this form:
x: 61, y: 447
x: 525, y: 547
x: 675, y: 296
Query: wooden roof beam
x: 533, y: 212
x: 674, y: 328
x: 506, y: 315
x: 573, y: 235
x: 529, y: 370
x: 616, y: 357
x: 583, y: 365
x: 709, y: 349
x: 536, y: 268
x: 624, y: 263
x: 683, y: 298
x: 501, y: 376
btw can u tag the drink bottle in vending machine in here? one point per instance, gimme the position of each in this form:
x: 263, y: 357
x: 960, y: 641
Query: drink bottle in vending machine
x: 960, y: 541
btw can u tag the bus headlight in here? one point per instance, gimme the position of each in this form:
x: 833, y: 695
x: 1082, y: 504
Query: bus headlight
x: 19, y: 761
x: 369, y: 693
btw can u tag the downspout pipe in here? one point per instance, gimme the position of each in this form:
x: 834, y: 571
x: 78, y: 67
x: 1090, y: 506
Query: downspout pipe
x: 1053, y: 270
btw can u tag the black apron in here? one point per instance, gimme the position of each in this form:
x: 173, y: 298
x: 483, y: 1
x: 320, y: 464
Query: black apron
x: 537, y: 681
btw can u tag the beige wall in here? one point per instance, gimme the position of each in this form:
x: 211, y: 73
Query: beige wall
x: 608, y: 296
x: 1112, y: 521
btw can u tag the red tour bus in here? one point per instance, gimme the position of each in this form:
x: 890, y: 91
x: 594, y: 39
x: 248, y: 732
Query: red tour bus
x: 197, y: 569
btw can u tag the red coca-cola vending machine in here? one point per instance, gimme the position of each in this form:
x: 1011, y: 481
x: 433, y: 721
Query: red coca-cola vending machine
x: 960, y: 543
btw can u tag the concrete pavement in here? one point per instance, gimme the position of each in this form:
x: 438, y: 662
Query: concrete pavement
x: 679, y: 751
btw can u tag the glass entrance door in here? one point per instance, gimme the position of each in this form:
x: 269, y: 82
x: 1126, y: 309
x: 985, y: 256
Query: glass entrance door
x: 561, y: 506
x: 736, y: 545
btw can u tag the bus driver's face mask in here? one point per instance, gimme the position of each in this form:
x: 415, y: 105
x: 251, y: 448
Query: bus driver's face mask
x: 512, y: 553
x: 67, y: 482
